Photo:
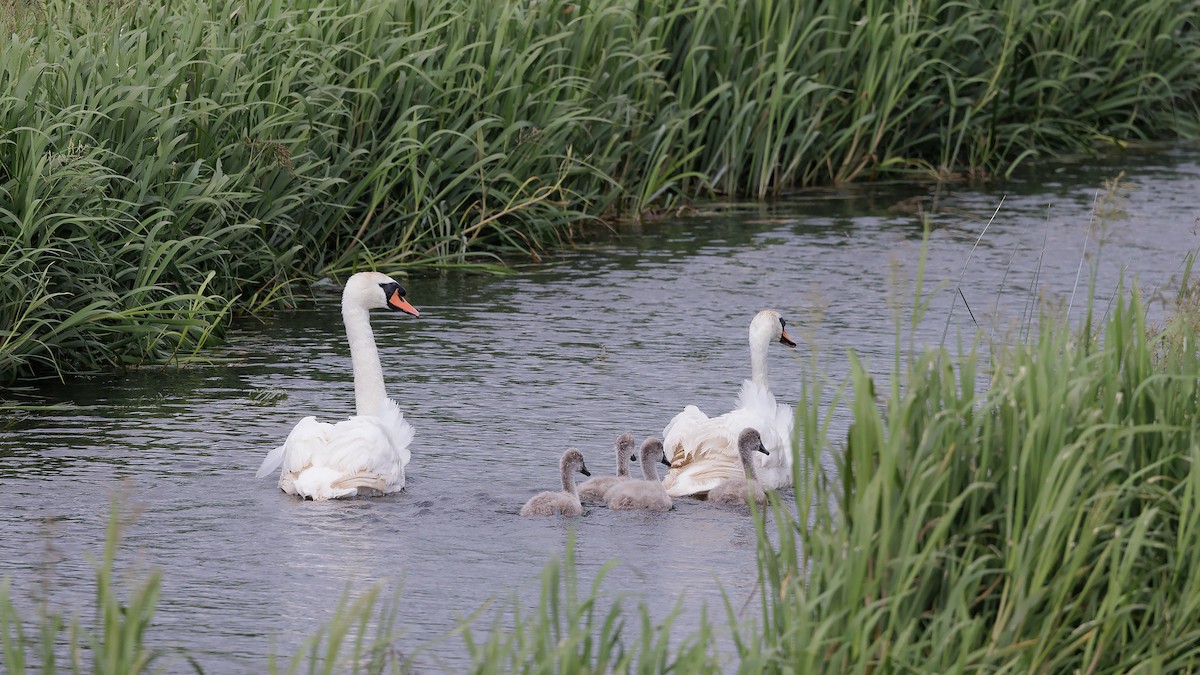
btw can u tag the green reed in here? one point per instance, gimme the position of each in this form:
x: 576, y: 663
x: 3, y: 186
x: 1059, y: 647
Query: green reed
x: 165, y: 165
x: 1043, y: 522
x: 570, y: 633
x: 567, y: 632
x: 361, y: 636
x: 113, y: 642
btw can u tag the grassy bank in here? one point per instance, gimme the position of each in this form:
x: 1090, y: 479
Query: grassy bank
x: 1045, y: 521
x: 166, y: 165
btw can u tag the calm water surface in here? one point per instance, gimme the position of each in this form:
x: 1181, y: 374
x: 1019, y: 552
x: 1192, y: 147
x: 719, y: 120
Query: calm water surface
x: 499, y: 375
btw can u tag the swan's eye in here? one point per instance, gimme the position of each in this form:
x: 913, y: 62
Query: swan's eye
x: 782, y: 323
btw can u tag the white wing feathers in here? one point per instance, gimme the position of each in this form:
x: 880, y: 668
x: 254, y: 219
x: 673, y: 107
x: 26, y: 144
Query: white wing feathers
x: 399, y: 431
x: 703, y: 451
x: 326, y: 461
x: 679, y: 436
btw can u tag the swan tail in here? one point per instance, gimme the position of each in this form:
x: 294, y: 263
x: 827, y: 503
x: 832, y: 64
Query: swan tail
x: 272, y: 461
x: 775, y: 423
x: 398, y: 430
x: 402, y: 447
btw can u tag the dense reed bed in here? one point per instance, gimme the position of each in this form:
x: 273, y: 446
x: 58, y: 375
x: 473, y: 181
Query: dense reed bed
x: 164, y: 166
x: 1037, y: 513
x: 1043, y: 523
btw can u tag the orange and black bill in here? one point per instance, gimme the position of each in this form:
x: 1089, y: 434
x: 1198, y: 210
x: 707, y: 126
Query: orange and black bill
x: 783, y: 336
x: 397, y: 301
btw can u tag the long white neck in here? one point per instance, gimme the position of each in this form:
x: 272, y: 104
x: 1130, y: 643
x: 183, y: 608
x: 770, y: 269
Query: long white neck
x: 369, y: 392
x: 758, y: 362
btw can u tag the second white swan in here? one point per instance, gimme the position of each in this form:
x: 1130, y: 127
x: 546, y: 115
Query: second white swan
x: 366, y: 454
x: 703, y: 450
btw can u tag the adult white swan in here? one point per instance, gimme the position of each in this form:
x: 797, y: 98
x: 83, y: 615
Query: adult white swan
x: 703, y: 450
x: 366, y: 454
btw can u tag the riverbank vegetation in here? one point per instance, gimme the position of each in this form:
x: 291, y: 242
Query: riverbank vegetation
x: 1041, y: 523
x: 1034, y: 512
x: 166, y: 166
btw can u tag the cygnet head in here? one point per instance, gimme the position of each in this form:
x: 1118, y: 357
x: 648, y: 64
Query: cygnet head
x: 572, y: 461
x: 749, y: 442
x: 373, y: 290
x: 652, y: 453
x: 769, y: 326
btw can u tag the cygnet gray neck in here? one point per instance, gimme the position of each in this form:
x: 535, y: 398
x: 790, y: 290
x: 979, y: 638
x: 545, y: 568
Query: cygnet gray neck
x: 568, y: 478
x: 622, y: 460
x: 748, y: 461
x: 650, y: 464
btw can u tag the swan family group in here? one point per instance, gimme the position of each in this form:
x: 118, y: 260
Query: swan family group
x: 728, y: 459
